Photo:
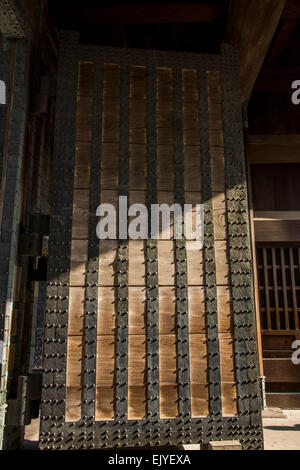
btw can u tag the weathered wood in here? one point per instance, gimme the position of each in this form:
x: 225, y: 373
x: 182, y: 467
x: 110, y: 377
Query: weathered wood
x: 273, y: 149
x: 74, y: 378
x: 167, y: 310
x: 137, y: 264
x: 283, y: 400
x: 277, y: 230
x: 281, y: 370
x: 251, y: 26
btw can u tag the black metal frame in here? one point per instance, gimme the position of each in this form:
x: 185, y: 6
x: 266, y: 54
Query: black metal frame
x: 246, y: 427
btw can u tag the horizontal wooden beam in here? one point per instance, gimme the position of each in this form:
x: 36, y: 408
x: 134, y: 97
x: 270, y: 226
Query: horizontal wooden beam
x: 281, y: 370
x: 141, y: 13
x: 277, y: 79
x: 273, y: 148
x: 251, y: 26
x: 277, y: 231
x: 276, y: 215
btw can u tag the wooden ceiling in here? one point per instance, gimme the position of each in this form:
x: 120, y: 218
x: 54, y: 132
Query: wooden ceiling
x: 198, y: 26
x: 271, y: 110
x: 282, y: 63
x: 190, y: 25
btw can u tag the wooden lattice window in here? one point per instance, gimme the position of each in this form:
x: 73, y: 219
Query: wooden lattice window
x: 279, y: 287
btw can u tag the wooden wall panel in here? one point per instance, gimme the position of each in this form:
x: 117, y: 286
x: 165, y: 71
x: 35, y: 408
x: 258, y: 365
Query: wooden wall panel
x: 159, y: 326
x: 225, y: 324
x: 79, y: 244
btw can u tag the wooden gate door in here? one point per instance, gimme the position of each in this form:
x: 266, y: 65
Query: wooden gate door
x: 147, y: 342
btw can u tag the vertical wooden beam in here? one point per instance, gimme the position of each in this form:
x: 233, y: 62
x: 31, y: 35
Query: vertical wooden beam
x: 255, y: 273
x: 251, y: 27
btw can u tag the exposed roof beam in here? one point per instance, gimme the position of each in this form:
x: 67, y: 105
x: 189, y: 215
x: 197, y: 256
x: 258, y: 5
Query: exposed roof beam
x: 251, y: 26
x: 141, y: 13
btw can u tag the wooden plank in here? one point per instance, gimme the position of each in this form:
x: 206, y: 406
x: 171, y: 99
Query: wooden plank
x: 192, y: 178
x: 138, y: 83
x: 106, y: 321
x: 137, y: 360
x: 76, y: 311
x: 277, y: 230
x: 229, y: 399
x: 137, y: 167
x: 84, y: 119
x: 74, y: 378
x: 214, y: 92
x: 222, y: 267
x: 189, y: 85
x: 165, y: 167
x: 167, y: 310
x: 199, y: 400
x: 138, y: 120
x: 137, y: 402
x: 77, y: 274
x: 86, y: 74
x: 267, y: 292
x: 142, y: 13
x: 225, y: 318
x: 281, y: 370
x: 197, y: 315
x: 111, y: 81
x: 198, y: 358
x: 195, y: 274
x: 79, y: 251
x: 219, y: 212
x: 166, y: 263
x: 277, y: 215
x: 80, y: 217
x: 137, y: 310
x: 110, y: 155
x: 105, y: 370
x: 111, y: 120
x: 273, y: 148
x: 107, y: 262
x: 105, y: 399
x: 255, y: 273
x: 192, y: 157
x: 275, y: 289
x: 137, y: 197
x: 285, y: 299
x: 294, y: 294
x: 167, y: 359
x: 82, y: 165
x: 137, y: 264
x: 226, y: 357
x: 278, y: 342
x: 217, y: 169
x: 251, y: 24
x: 168, y: 401
x: 283, y: 400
